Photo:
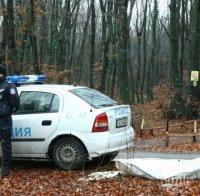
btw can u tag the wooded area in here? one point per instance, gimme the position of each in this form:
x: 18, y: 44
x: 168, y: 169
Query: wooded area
x: 122, y: 47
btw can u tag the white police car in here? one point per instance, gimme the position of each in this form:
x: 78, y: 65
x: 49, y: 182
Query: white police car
x: 68, y: 124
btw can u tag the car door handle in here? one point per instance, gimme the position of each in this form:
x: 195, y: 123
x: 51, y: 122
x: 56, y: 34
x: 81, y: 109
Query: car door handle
x: 46, y: 122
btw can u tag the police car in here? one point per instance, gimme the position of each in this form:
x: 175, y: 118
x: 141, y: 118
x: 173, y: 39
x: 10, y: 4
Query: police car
x: 68, y: 124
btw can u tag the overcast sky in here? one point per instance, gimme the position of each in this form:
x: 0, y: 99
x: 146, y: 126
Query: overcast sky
x: 163, y: 6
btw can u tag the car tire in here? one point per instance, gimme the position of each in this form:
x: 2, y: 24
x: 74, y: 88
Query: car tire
x: 69, y: 154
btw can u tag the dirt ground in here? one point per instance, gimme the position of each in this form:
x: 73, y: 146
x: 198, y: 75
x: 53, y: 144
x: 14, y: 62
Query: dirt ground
x: 33, y: 178
x: 43, y: 178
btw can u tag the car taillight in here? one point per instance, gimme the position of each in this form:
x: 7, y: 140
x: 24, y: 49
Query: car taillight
x: 100, y: 123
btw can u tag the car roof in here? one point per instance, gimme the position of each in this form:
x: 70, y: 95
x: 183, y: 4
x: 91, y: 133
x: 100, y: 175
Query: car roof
x: 50, y: 86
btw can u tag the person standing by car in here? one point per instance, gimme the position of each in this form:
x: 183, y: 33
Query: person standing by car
x: 9, y: 103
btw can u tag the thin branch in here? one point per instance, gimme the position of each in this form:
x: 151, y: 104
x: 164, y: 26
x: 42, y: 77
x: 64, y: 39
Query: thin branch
x: 165, y: 28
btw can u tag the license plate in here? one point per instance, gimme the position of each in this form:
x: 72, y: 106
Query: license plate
x: 121, y: 122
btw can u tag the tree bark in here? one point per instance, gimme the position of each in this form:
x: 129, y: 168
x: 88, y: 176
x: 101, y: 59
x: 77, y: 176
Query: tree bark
x: 73, y: 42
x: 4, y: 33
x: 11, y: 46
x: 92, y: 45
x: 182, y: 61
x: 33, y: 39
x: 79, y: 60
x: 139, y: 32
x: 174, y: 43
x: 43, y: 34
x: 114, y: 52
x: 105, y: 44
x: 144, y: 54
x: 196, y: 37
x: 122, y: 52
x: 152, y: 64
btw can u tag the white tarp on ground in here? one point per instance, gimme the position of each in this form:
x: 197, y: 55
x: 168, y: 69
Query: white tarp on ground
x: 156, y: 168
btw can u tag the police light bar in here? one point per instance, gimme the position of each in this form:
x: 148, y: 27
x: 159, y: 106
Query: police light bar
x: 26, y: 79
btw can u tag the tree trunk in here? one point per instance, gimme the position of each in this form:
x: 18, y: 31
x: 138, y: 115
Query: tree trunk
x: 4, y: 33
x: 177, y: 103
x: 182, y: 57
x: 79, y: 60
x: 54, y: 37
x: 122, y: 52
x: 174, y: 43
x: 151, y: 79
x: 92, y: 45
x: 67, y: 42
x: 114, y: 49
x: 72, y: 52
x: 138, y: 76
x: 130, y: 60
x: 33, y: 39
x: 144, y: 55
x: 43, y: 34
x: 195, y: 60
x: 139, y: 32
x: 105, y: 43
x: 62, y: 36
x: 196, y: 37
x: 11, y: 46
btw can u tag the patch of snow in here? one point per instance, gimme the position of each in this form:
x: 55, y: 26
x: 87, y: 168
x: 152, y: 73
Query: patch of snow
x: 100, y: 175
x: 168, y: 185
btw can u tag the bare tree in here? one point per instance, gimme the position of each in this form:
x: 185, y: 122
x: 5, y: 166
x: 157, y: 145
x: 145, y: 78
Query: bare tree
x: 174, y: 42
x: 4, y: 32
x: 122, y: 47
x: 151, y: 79
x: 12, y: 60
x: 33, y: 38
x: 81, y: 52
x: 139, y: 27
x: 92, y: 45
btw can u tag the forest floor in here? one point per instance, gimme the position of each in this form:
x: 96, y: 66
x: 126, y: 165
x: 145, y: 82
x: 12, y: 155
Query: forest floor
x: 180, y: 140
x: 43, y: 178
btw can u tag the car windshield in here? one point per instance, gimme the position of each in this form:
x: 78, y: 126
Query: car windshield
x: 93, y: 97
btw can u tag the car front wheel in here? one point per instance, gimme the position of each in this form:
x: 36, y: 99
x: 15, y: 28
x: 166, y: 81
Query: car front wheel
x: 69, y: 154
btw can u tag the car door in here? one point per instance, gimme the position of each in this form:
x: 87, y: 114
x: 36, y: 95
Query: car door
x: 36, y: 119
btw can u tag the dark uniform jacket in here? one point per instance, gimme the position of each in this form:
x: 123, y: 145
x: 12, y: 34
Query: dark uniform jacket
x: 9, y: 101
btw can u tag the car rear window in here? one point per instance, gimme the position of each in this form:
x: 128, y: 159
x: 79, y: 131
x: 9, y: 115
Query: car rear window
x: 93, y: 97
